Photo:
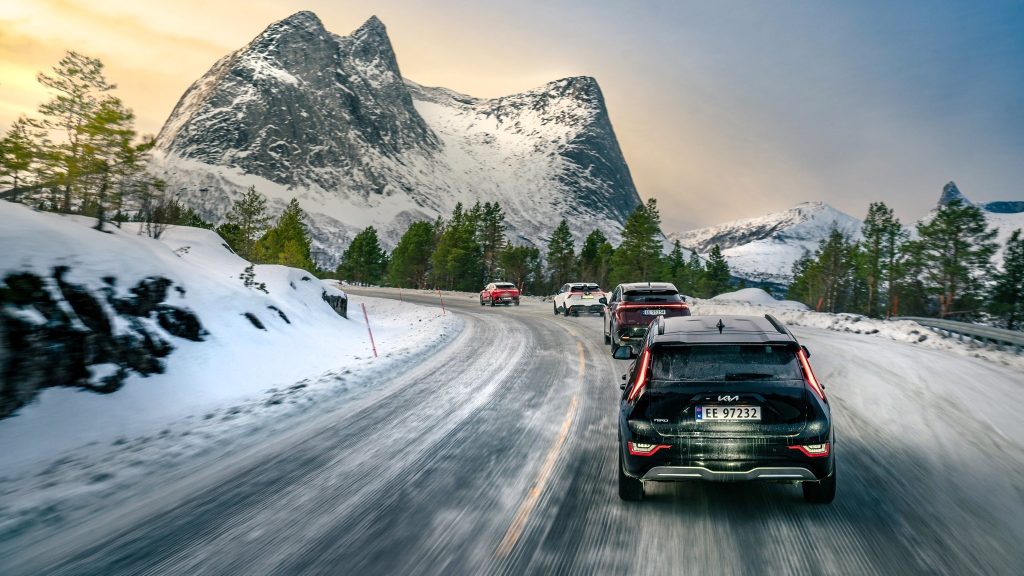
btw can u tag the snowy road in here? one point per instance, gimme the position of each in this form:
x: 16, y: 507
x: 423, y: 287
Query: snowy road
x: 497, y: 455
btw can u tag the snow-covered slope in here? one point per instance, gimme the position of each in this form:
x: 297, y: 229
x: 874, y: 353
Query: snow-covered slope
x: 765, y: 248
x: 1006, y: 216
x: 301, y: 112
x: 302, y: 336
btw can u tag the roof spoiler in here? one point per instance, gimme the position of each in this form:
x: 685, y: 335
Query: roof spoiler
x: 779, y: 327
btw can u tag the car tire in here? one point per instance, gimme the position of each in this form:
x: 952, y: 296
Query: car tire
x: 821, y: 492
x: 492, y: 302
x: 555, y: 308
x: 482, y: 302
x: 607, y: 339
x: 630, y: 489
x: 566, y: 311
x: 517, y: 302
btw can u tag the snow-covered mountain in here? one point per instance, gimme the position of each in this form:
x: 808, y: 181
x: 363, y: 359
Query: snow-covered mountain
x: 765, y: 248
x: 301, y: 112
x: 1006, y: 216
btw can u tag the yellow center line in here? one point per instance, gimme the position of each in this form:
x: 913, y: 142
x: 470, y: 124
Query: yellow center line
x: 515, y: 530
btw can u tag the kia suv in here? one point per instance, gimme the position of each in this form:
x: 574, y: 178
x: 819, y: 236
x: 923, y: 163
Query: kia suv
x: 724, y: 398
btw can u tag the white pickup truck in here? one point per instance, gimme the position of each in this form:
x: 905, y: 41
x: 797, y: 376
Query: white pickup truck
x: 576, y: 297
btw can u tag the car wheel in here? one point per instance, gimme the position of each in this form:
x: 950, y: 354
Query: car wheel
x: 822, y: 492
x: 566, y: 311
x: 517, y: 302
x: 555, y: 308
x: 630, y: 489
x: 607, y: 339
x: 492, y: 302
x: 482, y: 302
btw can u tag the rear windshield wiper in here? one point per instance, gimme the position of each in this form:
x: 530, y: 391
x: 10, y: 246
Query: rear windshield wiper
x: 748, y: 376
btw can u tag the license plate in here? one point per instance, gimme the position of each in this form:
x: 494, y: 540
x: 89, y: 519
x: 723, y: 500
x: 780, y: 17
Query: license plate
x: 653, y: 312
x: 728, y: 413
x: 588, y: 297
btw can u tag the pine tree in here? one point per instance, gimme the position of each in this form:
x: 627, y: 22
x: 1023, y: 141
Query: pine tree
x: 364, y: 261
x: 521, y: 266
x: 108, y: 156
x: 1007, y: 295
x: 491, y: 236
x: 590, y: 255
x: 695, y: 277
x: 248, y: 218
x: 458, y: 259
x: 561, y: 255
x: 287, y: 243
x: 17, y: 152
x: 79, y: 86
x: 716, y: 273
x: 410, y: 260
x: 638, y: 257
x: 956, y: 248
x: 882, y: 233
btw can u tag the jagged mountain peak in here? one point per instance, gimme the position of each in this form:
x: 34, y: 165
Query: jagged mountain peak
x: 303, y: 112
x: 950, y: 192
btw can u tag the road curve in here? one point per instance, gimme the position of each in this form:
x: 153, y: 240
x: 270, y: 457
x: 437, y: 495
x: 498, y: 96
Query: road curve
x: 497, y: 456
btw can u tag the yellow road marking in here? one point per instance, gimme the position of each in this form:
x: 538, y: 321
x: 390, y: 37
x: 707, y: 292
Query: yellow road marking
x: 515, y: 530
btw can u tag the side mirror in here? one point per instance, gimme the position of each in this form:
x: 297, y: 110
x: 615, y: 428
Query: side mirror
x: 602, y: 300
x: 624, y: 353
x: 806, y: 351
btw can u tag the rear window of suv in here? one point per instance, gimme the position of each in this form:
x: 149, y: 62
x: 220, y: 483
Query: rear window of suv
x: 726, y: 362
x: 652, y: 296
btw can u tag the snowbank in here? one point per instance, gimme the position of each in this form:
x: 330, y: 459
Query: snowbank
x: 302, y: 337
x: 898, y: 330
x: 760, y: 298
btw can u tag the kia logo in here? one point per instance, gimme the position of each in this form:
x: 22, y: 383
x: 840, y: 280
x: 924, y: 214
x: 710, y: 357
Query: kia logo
x: 728, y: 398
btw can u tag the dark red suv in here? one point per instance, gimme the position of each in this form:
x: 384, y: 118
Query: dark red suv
x: 633, y: 306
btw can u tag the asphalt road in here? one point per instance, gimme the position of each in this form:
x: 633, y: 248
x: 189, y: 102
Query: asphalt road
x: 497, y: 456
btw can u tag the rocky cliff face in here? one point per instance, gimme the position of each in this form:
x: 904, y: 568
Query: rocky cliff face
x: 301, y: 112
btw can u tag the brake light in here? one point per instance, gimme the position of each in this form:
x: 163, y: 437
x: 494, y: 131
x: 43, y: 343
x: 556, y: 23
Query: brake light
x: 641, y: 377
x: 809, y: 375
x: 813, y: 450
x: 638, y: 449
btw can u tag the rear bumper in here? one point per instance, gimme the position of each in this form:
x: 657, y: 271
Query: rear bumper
x: 678, y: 473
x: 591, y: 308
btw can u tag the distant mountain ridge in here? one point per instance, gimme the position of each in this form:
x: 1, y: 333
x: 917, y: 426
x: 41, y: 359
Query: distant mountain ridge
x: 1004, y: 215
x: 301, y: 112
x: 764, y: 249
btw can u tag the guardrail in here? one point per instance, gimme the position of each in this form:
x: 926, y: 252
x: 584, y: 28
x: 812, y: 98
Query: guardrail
x: 975, y: 333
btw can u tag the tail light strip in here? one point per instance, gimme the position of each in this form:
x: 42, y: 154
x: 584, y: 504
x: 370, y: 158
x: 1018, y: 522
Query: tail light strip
x: 636, y: 449
x: 809, y: 375
x: 814, y: 450
x: 641, y: 377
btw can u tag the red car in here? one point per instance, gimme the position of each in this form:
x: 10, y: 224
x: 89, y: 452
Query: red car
x: 499, y: 293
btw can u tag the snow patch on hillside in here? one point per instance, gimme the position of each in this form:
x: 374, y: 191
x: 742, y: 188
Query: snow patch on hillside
x: 303, y: 338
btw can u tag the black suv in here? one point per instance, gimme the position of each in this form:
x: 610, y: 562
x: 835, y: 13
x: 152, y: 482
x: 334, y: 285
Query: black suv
x: 724, y: 398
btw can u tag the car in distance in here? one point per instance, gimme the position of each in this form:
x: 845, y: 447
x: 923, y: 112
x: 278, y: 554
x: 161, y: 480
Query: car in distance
x: 576, y: 297
x: 724, y: 398
x: 632, y: 307
x: 499, y: 293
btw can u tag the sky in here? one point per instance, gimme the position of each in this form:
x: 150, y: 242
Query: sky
x: 724, y: 110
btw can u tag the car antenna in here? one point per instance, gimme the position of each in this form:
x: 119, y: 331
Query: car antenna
x: 720, y: 325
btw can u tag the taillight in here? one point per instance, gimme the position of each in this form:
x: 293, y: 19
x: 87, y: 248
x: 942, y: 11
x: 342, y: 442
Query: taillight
x: 641, y: 377
x: 639, y: 449
x: 813, y: 450
x: 809, y: 375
